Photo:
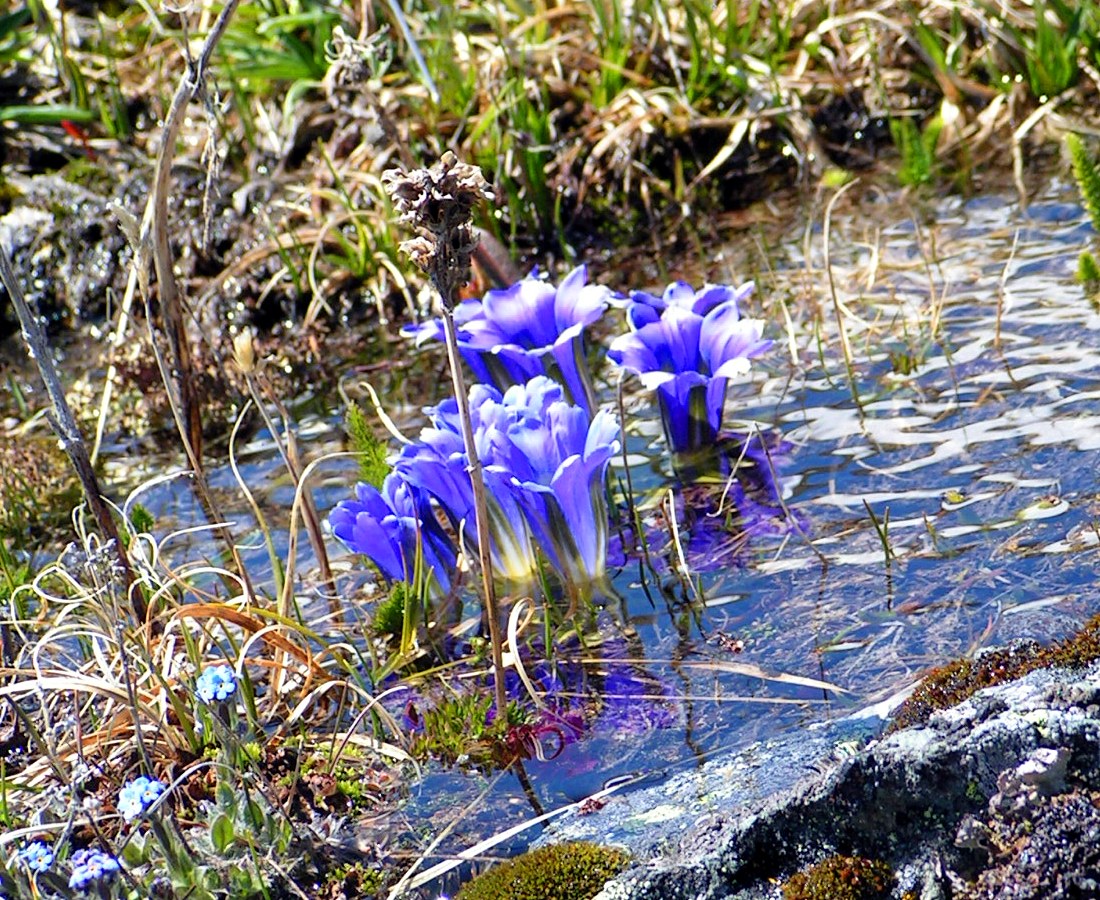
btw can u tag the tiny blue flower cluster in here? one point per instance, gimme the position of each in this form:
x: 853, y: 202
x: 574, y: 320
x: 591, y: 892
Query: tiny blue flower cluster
x: 36, y: 856
x: 216, y: 684
x: 137, y: 796
x: 92, y: 868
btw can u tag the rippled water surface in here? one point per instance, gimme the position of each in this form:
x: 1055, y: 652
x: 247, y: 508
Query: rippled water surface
x: 968, y: 429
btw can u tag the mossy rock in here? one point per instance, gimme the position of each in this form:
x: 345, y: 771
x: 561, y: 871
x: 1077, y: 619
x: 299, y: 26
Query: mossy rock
x: 570, y: 871
x: 842, y: 878
x: 950, y: 684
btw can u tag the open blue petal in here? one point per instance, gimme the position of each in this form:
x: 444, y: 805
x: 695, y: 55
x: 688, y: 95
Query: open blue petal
x: 727, y: 341
x: 578, y: 303
x: 369, y: 525
x: 524, y: 312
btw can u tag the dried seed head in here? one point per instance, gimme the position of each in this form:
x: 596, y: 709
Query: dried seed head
x: 440, y: 198
x: 420, y: 250
x: 353, y: 62
x: 439, y: 202
x: 244, y: 351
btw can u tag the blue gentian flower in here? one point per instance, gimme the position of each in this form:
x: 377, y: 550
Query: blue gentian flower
x: 36, y: 856
x: 644, y: 308
x: 544, y: 464
x: 687, y: 345
x: 529, y: 329
x: 437, y: 465
x: 557, y: 461
x: 92, y: 868
x: 216, y: 684
x: 141, y: 793
x: 389, y: 525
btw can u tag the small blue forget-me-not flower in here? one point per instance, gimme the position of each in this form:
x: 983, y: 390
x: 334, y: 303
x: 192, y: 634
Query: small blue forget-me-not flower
x: 92, y: 867
x: 216, y: 684
x: 138, y: 796
x: 36, y: 856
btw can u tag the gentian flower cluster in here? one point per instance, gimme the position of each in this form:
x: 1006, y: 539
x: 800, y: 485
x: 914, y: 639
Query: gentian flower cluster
x: 138, y: 795
x: 545, y: 466
x: 92, y: 868
x: 687, y: 345
x: 543, y: 446
x: 36, y: 856
x: 529, y: 329
x: 393, y: 526
x: 216, y: 684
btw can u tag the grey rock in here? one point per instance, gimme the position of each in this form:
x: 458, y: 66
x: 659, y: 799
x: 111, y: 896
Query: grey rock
x: 919, y: 799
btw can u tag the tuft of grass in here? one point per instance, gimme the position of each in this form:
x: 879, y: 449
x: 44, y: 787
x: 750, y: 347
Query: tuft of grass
x: 917, y: 148
x: 458, y: 730
x: 1050, y: 50
x: 1087, y: 173
x: 571, y: 871
x: 37, y: 488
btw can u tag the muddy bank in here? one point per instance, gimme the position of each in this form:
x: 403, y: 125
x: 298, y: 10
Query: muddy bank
x: 994, y: 798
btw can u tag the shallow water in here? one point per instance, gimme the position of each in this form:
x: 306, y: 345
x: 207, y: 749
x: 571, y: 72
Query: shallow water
x: 974, y: 447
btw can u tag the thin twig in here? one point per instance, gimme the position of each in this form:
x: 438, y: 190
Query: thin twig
x: 154, y: 233
x: 178, y: 380
x: 845, y: 346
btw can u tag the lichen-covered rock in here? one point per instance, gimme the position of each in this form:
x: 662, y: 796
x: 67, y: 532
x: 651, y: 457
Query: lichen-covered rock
x: 989, y: 798
x: 1043, y: 849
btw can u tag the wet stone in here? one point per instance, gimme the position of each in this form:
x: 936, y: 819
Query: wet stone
x: 979, y: 803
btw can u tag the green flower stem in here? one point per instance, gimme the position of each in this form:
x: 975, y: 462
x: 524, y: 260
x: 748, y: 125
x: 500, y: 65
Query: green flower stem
x: 168, y: 846
x: 481, y: 508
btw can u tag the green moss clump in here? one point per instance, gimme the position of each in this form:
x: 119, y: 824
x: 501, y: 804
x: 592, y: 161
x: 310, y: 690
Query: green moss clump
x: 571, y: 871
x: 952, y: 683
x: 842, y: 878
x: 389, y: 614
x: 1080, y: 650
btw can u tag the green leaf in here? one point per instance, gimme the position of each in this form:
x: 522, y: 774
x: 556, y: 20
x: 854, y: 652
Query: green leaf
x: 10, y: 22
x: 222, y: 833
x: 133, y: 854
x: 373, y: 467
x: 45, y: 114
x: 227, y: 799
x: 254, y: 815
